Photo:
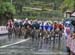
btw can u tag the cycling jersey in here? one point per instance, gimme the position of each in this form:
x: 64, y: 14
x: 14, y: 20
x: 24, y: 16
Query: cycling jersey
x: 10, y: 25
x: 27, y: 25
x: 41, y: 27
x: 46, y: 27
x: 36, y: 25
x: 50, y: 28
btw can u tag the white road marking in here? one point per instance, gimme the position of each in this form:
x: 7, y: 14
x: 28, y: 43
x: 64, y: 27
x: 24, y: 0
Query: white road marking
x: 21, y: 41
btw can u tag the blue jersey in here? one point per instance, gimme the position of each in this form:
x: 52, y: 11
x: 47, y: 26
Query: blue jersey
x: 46, y: 27
x: 41, y: 27
x: 50, y: 28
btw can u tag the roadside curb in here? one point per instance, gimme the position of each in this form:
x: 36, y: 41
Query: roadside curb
x: 3, y: 34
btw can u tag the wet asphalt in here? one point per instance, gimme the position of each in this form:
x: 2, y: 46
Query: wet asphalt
x: 29, y: 47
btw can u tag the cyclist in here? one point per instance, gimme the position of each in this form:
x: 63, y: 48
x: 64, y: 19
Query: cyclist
x: 10, y: 26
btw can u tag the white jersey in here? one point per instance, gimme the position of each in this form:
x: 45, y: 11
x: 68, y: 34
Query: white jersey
x: 65, y: 31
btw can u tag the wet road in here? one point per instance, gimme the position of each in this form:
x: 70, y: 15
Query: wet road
x: 29, y: 47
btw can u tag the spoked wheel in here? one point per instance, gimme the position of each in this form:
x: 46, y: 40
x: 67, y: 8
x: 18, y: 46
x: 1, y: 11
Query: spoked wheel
x: 10, y: 32
x: 27, y: 33
x: 17, y: 32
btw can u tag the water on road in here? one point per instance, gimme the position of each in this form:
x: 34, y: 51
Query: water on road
x: 29, y: 47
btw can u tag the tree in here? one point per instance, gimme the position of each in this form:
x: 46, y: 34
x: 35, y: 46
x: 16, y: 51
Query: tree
x: 7, y: 10
x: 68, y: 5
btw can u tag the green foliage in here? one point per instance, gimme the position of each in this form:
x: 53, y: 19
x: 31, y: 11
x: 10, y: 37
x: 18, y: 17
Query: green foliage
x: 7, y: 10
x: 67, y: 5
x: 46, y: 7
x: 7, y: 7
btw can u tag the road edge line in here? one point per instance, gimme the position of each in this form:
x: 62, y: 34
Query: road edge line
x: 21, y: 41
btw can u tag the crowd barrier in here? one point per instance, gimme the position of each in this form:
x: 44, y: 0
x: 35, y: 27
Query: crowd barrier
x: 3, y: 30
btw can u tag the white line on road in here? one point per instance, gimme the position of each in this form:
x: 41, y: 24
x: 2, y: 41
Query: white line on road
x: 21, y: 41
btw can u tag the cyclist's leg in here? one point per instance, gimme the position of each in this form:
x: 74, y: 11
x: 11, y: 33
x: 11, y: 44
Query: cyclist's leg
x: 9, y: 34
